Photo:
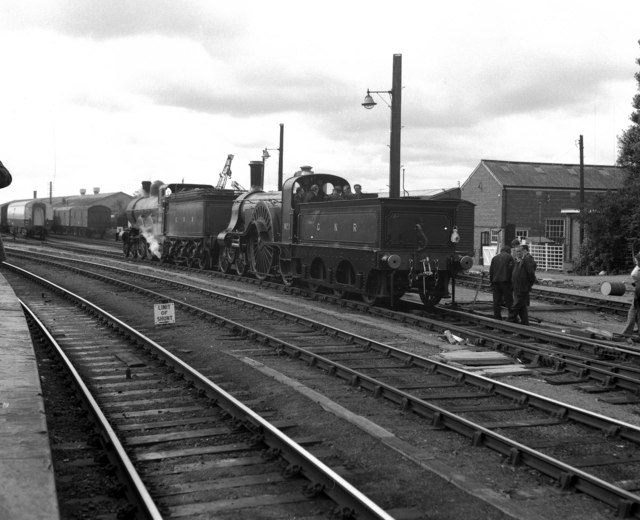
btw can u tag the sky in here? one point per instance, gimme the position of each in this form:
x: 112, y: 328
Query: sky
x: 109, y: 93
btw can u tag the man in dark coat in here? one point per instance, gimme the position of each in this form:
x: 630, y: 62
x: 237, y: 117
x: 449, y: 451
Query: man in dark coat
x: 523, y: 278
x: 5, y: 180
x: 500, y: 273
x: 5, y: 176
x: 313, y: 195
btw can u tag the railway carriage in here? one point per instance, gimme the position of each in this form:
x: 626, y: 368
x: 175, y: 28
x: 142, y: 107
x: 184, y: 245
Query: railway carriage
x: 378, y: 248
x: 33, y: 217
x: 82, y: 219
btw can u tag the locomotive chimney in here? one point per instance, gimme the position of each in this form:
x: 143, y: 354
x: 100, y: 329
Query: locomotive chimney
x: 146, y: 188
x: 83, y: 191
x: 257, y: 175
x: 96, y: 191
x: 304, y: 170
x: 35, y: 194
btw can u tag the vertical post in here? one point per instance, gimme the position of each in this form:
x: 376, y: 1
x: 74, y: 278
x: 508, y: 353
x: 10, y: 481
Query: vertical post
x: 396, y: 125
x: 280, y: 160
x: 581, y: 190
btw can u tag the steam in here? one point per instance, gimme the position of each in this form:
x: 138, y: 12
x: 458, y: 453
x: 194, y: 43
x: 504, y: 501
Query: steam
x: 146, y: 225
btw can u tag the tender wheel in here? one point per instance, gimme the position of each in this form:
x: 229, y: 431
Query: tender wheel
x: 374, y: 283
x: 314, y: 287
x: 317, y: 275
x: 202, y: 258
x: 166, y: 252
x: 345, y: 275
x: 226, y: 258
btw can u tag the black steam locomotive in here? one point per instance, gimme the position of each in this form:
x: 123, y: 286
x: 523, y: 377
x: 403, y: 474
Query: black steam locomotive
x: 377, y: 248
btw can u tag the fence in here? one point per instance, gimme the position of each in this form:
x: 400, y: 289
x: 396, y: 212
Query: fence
x: 548, y: 258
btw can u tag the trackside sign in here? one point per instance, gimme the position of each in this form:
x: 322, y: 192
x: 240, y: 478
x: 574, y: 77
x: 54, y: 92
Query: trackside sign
x: 164, y: 313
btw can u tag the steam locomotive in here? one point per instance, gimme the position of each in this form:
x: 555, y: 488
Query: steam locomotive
x: 374, y: 247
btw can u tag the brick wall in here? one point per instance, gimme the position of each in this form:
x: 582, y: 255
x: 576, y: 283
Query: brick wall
x: 526, y: 208
x: 486, y: 193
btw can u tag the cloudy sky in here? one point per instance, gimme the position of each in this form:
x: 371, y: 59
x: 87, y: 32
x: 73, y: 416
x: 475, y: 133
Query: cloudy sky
x: 108, y: 93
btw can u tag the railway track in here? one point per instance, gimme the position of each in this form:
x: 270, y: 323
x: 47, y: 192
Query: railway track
x: 183, y: 445
x: 471, y: 281
x: 552, y: 437
x: 558, y: 297
x: 572, y: 356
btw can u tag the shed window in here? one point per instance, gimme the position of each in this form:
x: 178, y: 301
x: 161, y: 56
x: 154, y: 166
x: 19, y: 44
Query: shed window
x: 554, y: 228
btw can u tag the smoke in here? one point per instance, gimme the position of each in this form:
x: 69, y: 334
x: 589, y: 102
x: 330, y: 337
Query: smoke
x: 146, y: 230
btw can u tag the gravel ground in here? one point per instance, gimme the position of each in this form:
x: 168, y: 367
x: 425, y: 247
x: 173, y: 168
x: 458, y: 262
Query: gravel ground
x: 455, y: 479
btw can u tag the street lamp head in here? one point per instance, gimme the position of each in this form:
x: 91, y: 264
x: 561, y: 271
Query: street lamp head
x: 265, y: 154
x: 368, y: 103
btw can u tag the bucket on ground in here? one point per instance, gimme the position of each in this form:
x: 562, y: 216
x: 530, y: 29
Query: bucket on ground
x: 613, y: 288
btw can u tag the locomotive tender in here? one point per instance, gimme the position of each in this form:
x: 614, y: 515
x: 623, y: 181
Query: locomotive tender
x: 177, y: 223
x: 377, y: 248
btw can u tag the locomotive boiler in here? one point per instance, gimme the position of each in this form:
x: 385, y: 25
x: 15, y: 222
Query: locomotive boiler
x: 378, y: 248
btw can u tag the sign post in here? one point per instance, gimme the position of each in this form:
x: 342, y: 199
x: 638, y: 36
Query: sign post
x: 164, y: 313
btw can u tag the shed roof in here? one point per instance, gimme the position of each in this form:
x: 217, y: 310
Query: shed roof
x: 553, y: 175
x: 87, y: 200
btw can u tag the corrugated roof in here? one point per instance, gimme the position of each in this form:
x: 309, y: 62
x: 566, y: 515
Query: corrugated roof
x: 552, y: 175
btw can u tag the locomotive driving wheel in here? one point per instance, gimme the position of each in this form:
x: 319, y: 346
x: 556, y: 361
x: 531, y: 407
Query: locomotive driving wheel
x: 226, y: 258
x: 260, y: 255
x: 126, y: 246
x: 241, y: 264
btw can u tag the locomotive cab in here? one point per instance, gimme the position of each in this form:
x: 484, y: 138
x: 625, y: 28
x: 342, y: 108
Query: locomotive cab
x: 304, y: 179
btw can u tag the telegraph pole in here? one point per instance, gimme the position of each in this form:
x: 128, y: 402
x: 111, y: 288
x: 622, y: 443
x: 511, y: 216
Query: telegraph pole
x: 581, y: 144
x: 280, y: 160
x: 396, y: 126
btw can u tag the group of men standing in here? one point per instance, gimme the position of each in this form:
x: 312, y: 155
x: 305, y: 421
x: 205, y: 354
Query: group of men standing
x: 512, y: 274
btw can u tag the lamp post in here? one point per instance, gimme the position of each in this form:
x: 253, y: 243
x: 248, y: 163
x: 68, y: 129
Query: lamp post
x: 266, y: 155
x: 396, y: 110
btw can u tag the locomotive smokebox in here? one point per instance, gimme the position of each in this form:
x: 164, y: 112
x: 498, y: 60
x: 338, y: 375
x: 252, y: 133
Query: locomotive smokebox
x: 146, y: 187
x: 257, y: 175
